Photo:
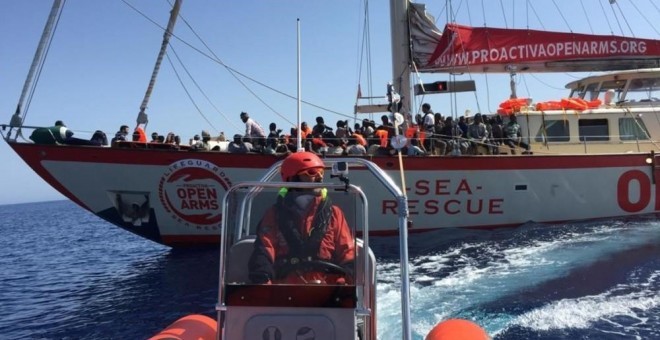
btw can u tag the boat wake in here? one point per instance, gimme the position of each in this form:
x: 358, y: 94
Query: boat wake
x: 534, y: 281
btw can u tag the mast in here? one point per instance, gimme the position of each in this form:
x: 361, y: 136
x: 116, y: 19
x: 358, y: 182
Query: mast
x: 401, y: 81
x: 174, y: 14
x: 401, y: 52
x: 37, y: 61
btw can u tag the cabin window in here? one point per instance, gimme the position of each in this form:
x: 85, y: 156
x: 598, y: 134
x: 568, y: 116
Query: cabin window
x: 632, y: 129
x: 644, y: 90
x: 593, y: 130
x: 589, y: 92
x: 554, y: 131
x: 616, y: 85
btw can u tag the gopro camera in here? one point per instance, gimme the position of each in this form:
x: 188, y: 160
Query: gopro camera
x: 340, y: 168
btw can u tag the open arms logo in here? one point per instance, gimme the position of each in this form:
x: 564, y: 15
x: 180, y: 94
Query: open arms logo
x: 191, y: 191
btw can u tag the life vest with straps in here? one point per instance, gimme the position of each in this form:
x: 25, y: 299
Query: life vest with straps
x: 302, y: 247
x: 382, y: 136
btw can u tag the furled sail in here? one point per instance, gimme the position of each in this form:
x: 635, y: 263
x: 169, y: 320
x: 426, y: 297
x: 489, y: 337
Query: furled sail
x: 484, y: 49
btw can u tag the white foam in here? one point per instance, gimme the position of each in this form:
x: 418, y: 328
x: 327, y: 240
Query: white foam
x: 480, y: 272
x: 582, y: 312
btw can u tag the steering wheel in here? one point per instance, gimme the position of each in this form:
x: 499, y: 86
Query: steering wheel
x: 315, y: 265
x: 323, y: 266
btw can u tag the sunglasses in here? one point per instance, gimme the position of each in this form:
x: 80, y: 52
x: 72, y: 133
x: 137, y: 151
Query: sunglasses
x: 312, y: 172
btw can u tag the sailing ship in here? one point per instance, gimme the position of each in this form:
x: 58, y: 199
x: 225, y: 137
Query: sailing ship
x: 592, y: 155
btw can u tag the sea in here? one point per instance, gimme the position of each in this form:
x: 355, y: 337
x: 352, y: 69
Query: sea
x: 66, y: 274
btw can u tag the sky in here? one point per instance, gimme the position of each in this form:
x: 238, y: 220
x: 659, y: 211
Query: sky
x: 103, y: 53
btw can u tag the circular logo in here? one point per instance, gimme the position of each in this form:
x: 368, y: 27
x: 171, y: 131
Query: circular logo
x: 191, y: 191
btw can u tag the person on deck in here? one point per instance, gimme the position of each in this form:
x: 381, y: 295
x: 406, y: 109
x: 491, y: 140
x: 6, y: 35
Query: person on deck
x: 239, y: 145
x: 60, y: 132
x: 428, y: 127
x: 478, y: 136
x: 302, y: 228
x: 139, y: 135
x: 513, y: 136
x: 121, y: 135
x: 254, y: 133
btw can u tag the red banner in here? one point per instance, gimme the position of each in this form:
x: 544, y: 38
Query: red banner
x: 483, y: 47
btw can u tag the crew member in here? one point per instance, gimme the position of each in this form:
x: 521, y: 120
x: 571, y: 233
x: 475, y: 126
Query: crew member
x: 303, y: 237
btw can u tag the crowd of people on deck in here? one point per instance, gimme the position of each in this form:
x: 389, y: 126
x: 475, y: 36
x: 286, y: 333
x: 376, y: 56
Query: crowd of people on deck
x: 428, y: 133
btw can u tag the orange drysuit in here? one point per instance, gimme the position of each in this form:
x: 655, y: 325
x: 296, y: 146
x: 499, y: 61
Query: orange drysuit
x: 272, y: 253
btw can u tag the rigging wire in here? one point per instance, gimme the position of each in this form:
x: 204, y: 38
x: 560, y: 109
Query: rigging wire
x: 469, y: 13
x: 229, y: 68
x: 523, y: 80
x: 544, y: 83
x: 200, y: 90
x: 185, y: 89
x: 483, y: 12
x: 654, y: 5
x: 606, y: 18
x: 623, y: 17
x: 358, y: 51
x: 562, y: 16
x: 487, y: 89
x: 536, y: 15
x: 364, y: 52
x: 506, y: 24
x: 513, y: 15
x: 232, y: 74
x: 367, y: 38
x: 527, y: 14
x: 442, y: 11
x: 586, y: 15
x: 645, y: 18
x: 39, y: 68
x: 617, y: 18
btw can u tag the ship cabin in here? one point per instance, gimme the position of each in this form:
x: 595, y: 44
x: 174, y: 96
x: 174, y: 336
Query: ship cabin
x: 609, y: 113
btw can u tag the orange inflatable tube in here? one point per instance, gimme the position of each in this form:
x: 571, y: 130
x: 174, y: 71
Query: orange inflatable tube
x: 190, y: 327
x: 457, y: 329
x: 594, y: 103
x: 574, y: 104
x: 514, y: 104
x: 549, y: 105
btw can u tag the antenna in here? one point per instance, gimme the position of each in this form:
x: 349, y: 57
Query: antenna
x: 299, y: 141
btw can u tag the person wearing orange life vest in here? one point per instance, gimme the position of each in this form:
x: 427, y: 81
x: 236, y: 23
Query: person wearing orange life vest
x: 303, y: 237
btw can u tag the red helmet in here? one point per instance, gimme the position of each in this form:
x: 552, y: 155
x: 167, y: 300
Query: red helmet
x: 298, y: 162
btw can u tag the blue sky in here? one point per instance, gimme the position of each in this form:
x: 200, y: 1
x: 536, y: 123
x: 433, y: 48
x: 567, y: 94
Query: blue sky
x: 101, y: 59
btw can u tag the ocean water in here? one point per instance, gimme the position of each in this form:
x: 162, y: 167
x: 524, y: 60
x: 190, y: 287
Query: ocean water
x: 65, y: 274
